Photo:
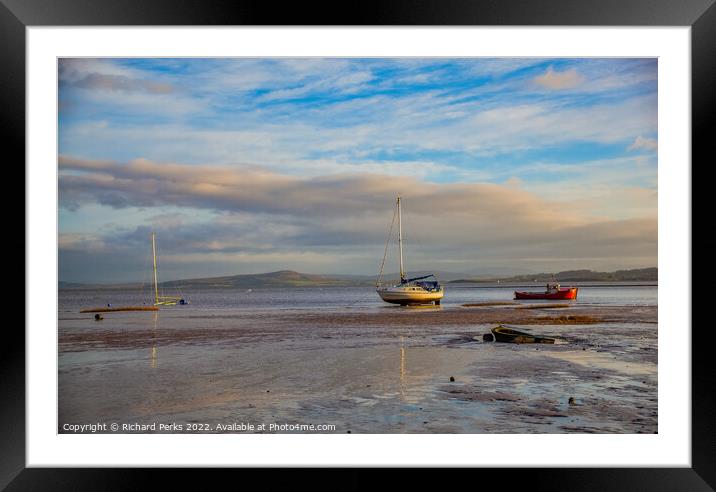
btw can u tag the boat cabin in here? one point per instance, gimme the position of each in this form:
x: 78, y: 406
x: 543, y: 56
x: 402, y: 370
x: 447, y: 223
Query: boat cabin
x: 429, y: 286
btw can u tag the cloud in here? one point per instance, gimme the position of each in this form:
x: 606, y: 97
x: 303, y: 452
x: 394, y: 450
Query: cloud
x: 103, y: 75
x: 644, y: 143
x: 341, y: 83
x: 122, y: 83
x: 559, y: 80
x: 265, y: 215
x: 295, y: 163
x: 304, y: 113
x: 73, y: 69
x: 255, y: 189
x: 376, y: 126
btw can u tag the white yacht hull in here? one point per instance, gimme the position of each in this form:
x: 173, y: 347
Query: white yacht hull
x: 409, y: 295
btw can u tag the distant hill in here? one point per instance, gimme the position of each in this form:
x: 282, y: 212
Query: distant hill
x: 289, y: 278
x: 283, y: 278
x: 69, y: 285
x: 79, y: 286
x: 638, y: 274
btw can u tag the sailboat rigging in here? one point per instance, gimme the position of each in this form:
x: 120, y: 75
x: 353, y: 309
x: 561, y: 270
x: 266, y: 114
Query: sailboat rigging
x: 162, y: 300
x: 408, y: 291
x: 158, y: 300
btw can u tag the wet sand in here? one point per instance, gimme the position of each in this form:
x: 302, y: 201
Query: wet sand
x: 386, y: 370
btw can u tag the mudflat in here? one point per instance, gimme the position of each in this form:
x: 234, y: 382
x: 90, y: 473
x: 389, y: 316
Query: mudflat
x: 384, y: 370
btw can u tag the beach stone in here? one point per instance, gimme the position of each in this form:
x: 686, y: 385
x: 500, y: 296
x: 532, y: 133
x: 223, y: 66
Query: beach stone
x: 98, y: 317
x: 452, y: 379
x: 571, y: 401
x: 487, y: 337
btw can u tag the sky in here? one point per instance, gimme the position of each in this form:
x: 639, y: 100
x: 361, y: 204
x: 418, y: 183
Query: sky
x: 251, y: 165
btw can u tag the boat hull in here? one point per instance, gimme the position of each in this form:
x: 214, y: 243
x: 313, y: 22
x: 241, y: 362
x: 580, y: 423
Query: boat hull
x: 509, y: 335
x: 406, y: 296
x: 117, y: 309
x: 564, y: 294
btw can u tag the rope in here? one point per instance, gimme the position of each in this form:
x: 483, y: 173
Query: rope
x: 162, y: 291
x: 385, y: 253
x: 145, y: 272
x: 415, y: 241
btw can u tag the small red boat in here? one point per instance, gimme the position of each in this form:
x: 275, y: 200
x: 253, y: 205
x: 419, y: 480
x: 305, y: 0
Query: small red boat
x: 554, y: 291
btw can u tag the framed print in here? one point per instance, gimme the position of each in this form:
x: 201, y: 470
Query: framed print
x: 426, y: 237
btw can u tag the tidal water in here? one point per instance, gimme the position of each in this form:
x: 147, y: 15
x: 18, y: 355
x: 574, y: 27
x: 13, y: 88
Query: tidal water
x: 312, y: 298
x: 341, y: 358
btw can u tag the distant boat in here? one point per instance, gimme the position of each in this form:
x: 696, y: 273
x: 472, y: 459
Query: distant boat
x: 162, y: 300
x: 158, y: 300
x: 504, y: 334
x: 553, y: 291
x: 409, y: 291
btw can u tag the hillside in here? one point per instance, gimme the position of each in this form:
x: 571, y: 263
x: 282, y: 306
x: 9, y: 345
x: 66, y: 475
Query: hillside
x: 289, y: 278
x: 283, y: 278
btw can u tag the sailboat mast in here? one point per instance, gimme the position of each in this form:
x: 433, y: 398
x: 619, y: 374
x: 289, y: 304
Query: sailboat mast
x: 400, y: 242
x: 154, y: 255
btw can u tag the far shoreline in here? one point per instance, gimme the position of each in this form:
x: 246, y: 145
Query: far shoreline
x: 467, y: 284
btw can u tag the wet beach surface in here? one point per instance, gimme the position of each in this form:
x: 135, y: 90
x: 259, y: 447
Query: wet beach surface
x: 364, y: 367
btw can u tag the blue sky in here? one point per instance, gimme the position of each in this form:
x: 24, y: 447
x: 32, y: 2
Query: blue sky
x: 250, y: 165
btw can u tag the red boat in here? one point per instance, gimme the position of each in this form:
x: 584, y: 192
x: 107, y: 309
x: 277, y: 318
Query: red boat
x: 554, y: 291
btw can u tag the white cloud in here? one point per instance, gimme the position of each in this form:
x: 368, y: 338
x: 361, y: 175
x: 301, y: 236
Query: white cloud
x: 317, y: 177
x: 559, y: 80
x: 644, y: 143
x: 372, y: 126
x: 74, y: 69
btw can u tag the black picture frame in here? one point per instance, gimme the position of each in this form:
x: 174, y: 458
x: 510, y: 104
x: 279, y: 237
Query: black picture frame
x: 700, y: 15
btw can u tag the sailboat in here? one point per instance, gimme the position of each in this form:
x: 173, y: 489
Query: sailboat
x: 162, y: 300
x: 158, y: 300
x: 409, y: 291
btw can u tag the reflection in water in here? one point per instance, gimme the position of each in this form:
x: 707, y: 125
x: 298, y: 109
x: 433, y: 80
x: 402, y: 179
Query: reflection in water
x: 402, y: 369
x: 154, y: 341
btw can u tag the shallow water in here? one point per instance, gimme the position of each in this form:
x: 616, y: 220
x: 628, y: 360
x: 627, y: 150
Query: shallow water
x: 305, y: 356
x: 313, y: 298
